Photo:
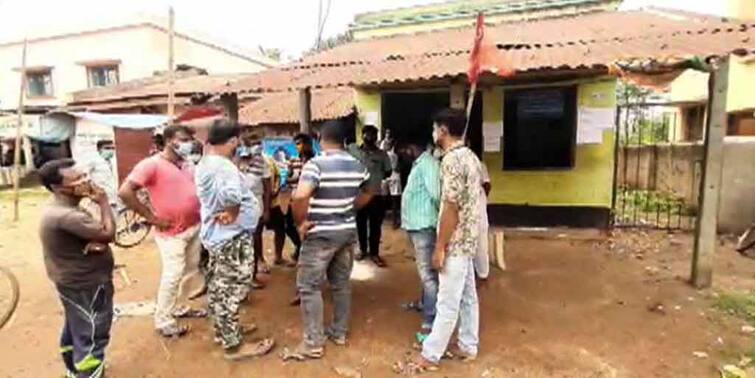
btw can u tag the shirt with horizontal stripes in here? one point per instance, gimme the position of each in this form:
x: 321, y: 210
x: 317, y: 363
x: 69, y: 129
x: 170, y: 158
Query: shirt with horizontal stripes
x: 337, y: 178
x: 421, y: 199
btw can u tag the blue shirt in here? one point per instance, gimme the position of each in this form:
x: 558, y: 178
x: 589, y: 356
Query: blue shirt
x: 337, y: 178
x: 220, y: 185
x: 420, y: 202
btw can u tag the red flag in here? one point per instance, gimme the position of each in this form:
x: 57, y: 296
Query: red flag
x: 485, y: 56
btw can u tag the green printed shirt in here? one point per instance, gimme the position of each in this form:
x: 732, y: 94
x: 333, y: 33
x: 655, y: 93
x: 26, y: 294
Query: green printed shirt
x: 421, y: 198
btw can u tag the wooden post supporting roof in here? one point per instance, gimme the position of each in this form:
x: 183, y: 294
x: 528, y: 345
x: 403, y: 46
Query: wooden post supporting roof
x: 710, y: 186
x: 19, y: 127
x: 171, y: 68
x: 305, y: 110
x: 230, y: 102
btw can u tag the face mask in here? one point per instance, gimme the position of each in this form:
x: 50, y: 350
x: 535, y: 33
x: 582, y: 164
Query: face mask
x: 435, y: 136
x: 107, y: 154
x: 256, y: 149
x: 184, y: 149
x: 195, y: 158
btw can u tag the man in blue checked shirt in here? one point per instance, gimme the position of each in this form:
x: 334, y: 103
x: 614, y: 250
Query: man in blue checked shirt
x: 419, y: 217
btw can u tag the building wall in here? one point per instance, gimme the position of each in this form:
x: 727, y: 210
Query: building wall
x: 141, y: 50
x: 744, y: 9
x: 589, y: 183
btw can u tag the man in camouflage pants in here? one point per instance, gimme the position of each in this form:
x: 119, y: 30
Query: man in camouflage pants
x: 229, y: 214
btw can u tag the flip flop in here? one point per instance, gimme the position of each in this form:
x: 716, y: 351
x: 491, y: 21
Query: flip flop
x: 174, y: 331
x: 302, y: 353
x: 413, y: 368
x: 257, y: 349
x: 187, y: 312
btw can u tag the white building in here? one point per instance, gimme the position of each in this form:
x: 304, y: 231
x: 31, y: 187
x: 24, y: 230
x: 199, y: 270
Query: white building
x: 61, y: 63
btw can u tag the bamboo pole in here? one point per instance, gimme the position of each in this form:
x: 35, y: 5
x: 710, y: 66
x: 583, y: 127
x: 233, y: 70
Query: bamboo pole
x: 171, y: 71
x: 19, y: 126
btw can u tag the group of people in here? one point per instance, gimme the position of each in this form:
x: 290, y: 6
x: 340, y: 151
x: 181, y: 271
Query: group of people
x: 210, y: 214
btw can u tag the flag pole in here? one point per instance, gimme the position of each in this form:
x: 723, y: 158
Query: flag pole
x: 19, y: 125
x: 171, y: 72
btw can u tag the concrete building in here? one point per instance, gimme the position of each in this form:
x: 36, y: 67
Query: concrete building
x: 454, y: 14
x: 59, y: 64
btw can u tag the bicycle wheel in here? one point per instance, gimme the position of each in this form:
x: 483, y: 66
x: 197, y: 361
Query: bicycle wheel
x: 131, y: 228
x: 747, y: 240
x: 9, y: 294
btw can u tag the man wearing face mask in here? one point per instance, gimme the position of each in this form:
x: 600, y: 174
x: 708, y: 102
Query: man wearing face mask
x: 456, y: 245
x: 230, y: 215
x: 99, y: 167
x: 257, y: 174
x: 174, y: 211
x: 80, y: 264
x: 370, y: 218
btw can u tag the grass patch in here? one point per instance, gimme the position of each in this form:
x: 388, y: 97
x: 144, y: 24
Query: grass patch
x: 739, y: 305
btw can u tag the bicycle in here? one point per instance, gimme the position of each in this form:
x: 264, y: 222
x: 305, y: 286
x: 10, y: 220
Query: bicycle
x: 130, y: 228
x: 9, y: 295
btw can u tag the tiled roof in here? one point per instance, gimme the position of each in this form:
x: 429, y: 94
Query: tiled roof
x: 585, y: 42
x: 283, y: 107
x: 187, y: 82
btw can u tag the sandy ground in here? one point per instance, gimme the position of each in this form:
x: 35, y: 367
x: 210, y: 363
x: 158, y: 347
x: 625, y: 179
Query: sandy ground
x: 571, y: 304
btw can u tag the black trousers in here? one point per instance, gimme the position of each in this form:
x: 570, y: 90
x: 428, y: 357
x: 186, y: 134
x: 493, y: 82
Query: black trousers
x: 369, y: 226
x: 88, y: 314
x: 283, y: 225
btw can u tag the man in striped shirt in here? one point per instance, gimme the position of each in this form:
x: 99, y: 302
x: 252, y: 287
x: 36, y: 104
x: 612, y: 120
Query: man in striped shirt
x: 332, y: 186
x: 419, y: 217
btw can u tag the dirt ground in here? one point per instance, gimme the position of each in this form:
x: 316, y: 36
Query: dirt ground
x: 571, y: 304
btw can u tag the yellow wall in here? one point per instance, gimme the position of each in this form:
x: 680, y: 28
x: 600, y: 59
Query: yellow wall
x: 693, y: 86
x: 369, y: 104
x: 744, y: 9
x: 589, y: 183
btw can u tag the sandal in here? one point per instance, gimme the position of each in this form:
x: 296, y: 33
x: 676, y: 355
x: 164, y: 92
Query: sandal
x: 257, y: 285
x: 188, y: 312
x: 379, y: 261
x: 455, y: 353
x: 246, y: 330
x: 412, y: 306
x: 302, y: 353
x: 248, y: 350
x: 174, y: 331
x: 415, y: 367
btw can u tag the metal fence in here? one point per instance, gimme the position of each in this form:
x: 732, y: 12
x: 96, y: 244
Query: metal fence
x: 657, y: 169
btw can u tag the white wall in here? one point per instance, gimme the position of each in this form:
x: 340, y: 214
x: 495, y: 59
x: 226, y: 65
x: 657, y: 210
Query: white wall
x: 142, y: 50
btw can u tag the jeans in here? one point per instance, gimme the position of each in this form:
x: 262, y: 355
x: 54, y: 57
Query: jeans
x: 180, y: 255
x: 457, y: 304
x: 86, y: 329
x: 424, y: 247
x: 370, y: 226
x: 331, y: 256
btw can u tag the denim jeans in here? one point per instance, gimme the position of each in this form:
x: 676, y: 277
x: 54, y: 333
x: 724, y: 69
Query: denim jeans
x: 424, y: 246
x: 329, y: 255
x: 457, y: 303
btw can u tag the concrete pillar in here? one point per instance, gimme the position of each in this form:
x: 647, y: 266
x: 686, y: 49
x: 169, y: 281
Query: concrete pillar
x: 458, y: 96
x: 305, y: 110
x: 710, y: 186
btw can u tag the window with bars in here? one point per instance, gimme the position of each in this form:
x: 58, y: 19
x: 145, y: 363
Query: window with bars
x: 102, y: 76
x: 39, y: 83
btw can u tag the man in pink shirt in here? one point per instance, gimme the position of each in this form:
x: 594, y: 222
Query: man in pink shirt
x: 168, y: 177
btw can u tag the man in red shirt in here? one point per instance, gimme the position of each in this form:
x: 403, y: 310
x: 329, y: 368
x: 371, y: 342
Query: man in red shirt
x: 168, y: 177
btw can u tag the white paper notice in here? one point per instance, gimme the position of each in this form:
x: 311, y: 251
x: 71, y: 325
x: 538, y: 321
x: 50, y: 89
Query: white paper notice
x: 371, y: 118
x: 491, y: 134
x: 592, y: 122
